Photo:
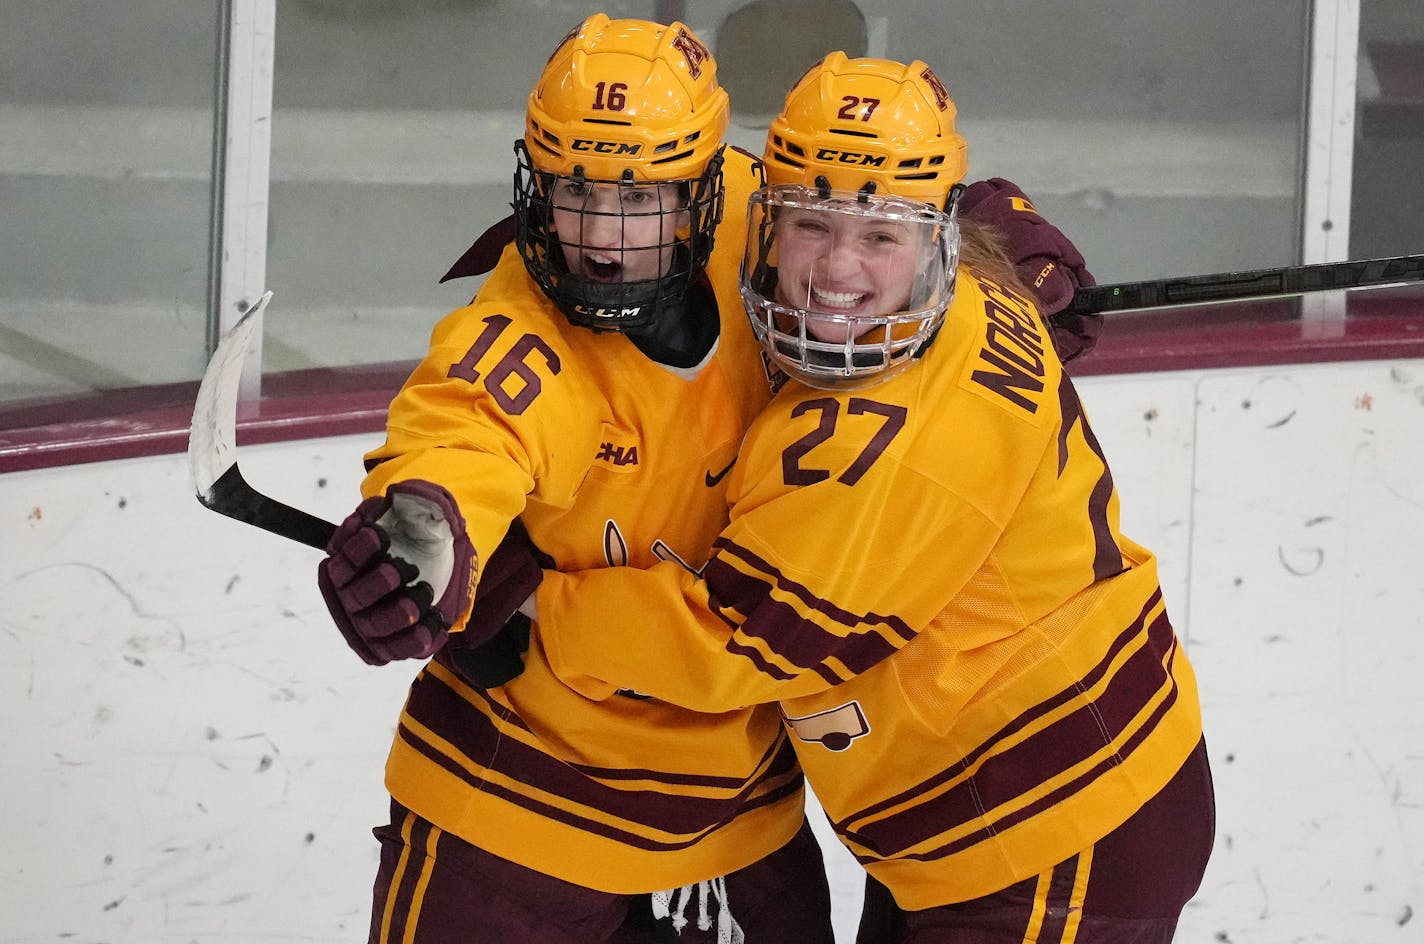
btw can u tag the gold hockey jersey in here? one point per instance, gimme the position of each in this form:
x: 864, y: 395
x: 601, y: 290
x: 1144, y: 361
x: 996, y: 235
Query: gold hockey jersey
x: 975, y: 664
x: 609, y: 459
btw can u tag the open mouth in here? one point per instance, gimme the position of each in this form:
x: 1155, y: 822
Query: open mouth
x: 602, y: 268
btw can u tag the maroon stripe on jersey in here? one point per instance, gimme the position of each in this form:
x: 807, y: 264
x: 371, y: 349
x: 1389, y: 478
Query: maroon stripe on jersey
x: 1070, y: 412
x: 798, y: 640
x: 775, y: 671
x: 409, y: 881
x: 446, y: 705
x: 443, y: 709
x: 595, y: 826
x: 1057, y: 899
x: 1107, y: 556
x: 965, y: 802
x: 437, y: 706
x: 962, y: 805
x: 1036, y: 760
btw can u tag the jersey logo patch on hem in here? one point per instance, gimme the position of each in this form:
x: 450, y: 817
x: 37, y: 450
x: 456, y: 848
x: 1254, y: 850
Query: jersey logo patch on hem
x: 834, y: 728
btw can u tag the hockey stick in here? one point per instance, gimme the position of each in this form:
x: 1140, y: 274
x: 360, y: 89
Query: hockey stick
x: 1250, y: 283
x: 212, y: 443
x: 219, y: 485
x: 212, y: 446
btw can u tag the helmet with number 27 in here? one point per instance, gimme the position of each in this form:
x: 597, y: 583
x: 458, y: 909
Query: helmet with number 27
x: 618, y: 187
x: 853, y: 244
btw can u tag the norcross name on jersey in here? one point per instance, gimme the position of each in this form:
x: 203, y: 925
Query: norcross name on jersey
x: 1014, y: 345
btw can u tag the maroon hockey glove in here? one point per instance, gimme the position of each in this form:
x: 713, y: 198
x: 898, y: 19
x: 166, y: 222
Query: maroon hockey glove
x: 1043, y: 257
x: 397, y: 573
x: 490, y: 650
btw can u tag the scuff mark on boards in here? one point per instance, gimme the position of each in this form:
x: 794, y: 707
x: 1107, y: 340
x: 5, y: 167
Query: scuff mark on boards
x: 1307, y: 560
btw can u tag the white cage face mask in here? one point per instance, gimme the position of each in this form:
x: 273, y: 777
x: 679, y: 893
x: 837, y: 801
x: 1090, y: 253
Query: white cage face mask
x: 845, y: 289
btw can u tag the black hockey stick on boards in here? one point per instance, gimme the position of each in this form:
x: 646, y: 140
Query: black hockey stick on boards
x: 212, y: 445
x: 212, y: 449
x: 1250, y: 283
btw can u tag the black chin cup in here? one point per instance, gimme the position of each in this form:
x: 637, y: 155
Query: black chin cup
x: 604, y: 306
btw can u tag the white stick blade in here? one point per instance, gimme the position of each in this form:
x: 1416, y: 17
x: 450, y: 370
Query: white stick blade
x: 212, y: 437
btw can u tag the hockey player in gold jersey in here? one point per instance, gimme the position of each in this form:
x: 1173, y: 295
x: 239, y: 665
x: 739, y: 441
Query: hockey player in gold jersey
x: 923, y: 564
x: 594, y: 389
x: 597, y: 390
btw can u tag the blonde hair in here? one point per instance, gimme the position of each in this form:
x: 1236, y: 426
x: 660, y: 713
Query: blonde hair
x: 983, y: 249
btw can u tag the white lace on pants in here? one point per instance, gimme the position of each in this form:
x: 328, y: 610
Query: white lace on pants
x: 664, y: 906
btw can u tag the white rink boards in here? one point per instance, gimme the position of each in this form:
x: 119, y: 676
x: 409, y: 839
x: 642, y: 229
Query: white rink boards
x: 192, y: 754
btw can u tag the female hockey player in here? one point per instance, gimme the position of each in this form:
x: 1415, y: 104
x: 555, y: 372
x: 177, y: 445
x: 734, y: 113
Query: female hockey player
x: 923, y: 564
x: 596, y: 390
x: 602, y: 377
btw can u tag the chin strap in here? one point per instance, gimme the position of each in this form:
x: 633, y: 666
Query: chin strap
x: 728, y: 931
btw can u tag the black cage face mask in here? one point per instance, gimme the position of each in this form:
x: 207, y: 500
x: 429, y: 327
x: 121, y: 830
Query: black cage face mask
x: 613, y: 254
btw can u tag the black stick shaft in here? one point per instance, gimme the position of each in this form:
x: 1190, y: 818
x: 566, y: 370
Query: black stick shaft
x: 232, y: 496
x: 1254, y: 283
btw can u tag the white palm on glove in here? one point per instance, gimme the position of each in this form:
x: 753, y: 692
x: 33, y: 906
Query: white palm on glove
x: 397, y: 572
x: 420, y: 536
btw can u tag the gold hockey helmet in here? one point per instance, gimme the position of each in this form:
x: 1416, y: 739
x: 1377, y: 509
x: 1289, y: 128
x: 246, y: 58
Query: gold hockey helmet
x: 620, y: 96
x: 856, y: 122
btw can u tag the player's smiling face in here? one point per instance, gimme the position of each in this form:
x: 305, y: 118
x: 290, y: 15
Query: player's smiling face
x: 844, y: 265
x: 612, y: 233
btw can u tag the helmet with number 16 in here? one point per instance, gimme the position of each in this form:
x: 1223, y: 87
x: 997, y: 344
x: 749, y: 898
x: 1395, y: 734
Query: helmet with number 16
x: 853, y: 244
x: 618, y: 188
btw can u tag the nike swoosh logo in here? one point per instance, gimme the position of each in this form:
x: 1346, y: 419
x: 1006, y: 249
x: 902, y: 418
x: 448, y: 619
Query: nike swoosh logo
x: 712, y: 480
